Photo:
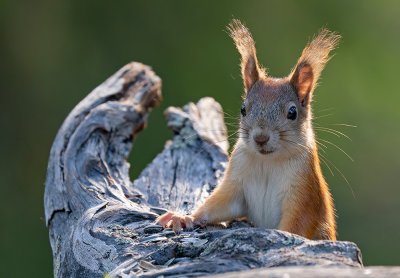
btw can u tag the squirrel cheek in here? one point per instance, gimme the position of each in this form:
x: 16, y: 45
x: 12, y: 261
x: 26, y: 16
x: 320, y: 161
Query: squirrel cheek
x: 274, y: 139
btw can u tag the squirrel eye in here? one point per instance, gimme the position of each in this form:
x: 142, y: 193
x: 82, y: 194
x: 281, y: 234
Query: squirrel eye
x: 292, y: 113
x: 243, y: 110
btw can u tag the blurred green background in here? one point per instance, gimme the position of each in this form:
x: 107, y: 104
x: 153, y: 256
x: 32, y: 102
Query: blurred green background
x: 53, y: 53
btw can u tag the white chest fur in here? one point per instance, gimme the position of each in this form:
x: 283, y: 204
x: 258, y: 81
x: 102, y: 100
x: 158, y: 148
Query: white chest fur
x: 265, y: 185
x: 264, y: 194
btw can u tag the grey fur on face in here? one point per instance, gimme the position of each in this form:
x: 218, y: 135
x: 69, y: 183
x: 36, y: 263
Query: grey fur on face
x: 277, y: 111
x: 266, y: 122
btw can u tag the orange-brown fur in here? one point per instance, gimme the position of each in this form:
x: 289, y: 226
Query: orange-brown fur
x: 278, y: 184
x: 308, y: 211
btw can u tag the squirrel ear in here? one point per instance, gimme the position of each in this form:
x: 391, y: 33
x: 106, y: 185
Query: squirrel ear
x: 315, y: 55
x: 303, y: 82
x: 251, y: 72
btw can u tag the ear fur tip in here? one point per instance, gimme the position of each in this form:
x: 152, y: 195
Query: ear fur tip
x: 236, y: 25
x: 245, y: 44
x: 239, y: 32
x: 327, y: 39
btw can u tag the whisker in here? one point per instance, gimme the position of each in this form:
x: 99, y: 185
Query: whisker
x: 331, y: 167
x: 227, y: 113
x: 346, y: 125
x: 337, y: 133
x: 321, y: 149
x: 228, y: 138
x: 320, y: 144
x: 287, y: 150
x: 231, y: 117
x: 352, y: 160
x: 323, y: 116
x: 327, y: 131
x: 343, y: 176
x: 239, y: 129
x: 296, y: 144
x: 323, y: 160
x: 326, y: 109
x: 235, y: 124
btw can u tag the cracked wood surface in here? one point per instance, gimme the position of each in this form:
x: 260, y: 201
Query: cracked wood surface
x: 100, y: 222
x: 305, y: 272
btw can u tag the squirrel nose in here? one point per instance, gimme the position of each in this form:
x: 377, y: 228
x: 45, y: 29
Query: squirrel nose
x: 261, y: 140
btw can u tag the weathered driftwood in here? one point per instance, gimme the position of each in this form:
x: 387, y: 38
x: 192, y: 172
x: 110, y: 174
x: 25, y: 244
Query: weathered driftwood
x: 316, y: 271
x: 100, y: 222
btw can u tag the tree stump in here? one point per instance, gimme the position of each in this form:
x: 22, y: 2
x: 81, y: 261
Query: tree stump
x: 101, y: 223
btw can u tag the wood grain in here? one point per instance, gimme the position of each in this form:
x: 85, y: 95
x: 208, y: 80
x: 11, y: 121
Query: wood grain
x: 102, y: 223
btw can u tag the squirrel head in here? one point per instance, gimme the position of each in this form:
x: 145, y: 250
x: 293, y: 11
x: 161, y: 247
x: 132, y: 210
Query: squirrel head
x: 276, y: 112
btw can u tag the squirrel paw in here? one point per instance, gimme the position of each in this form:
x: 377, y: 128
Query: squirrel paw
x: 176, y: 222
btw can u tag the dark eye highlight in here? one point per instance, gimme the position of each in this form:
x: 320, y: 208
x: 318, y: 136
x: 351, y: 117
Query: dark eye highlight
x: 243, y: 110
x: 292, y: 113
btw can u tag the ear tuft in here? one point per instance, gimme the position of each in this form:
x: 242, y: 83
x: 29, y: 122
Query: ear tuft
x: 315, y: 55
x: 251, y: 71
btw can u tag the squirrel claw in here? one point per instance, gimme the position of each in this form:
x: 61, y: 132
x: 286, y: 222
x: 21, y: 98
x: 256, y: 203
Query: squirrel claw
x: 176, y: 222
x: 164, y: 219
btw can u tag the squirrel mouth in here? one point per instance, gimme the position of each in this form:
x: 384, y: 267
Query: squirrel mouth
x: 265, y: 152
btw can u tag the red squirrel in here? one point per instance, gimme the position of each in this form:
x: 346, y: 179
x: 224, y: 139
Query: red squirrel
x: 273, y: 176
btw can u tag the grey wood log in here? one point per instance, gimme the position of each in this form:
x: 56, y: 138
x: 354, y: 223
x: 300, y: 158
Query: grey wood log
x: 102, y: 223
x: 305, y: 272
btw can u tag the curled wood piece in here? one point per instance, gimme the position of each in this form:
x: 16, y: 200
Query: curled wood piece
x: 102, y: 223
x: 87, y: 184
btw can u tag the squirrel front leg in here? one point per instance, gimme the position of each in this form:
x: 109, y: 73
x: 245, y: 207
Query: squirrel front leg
x: 308, y: 210
x: 226, y: 202
x: 300, y: 209
x: 299, y: 222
